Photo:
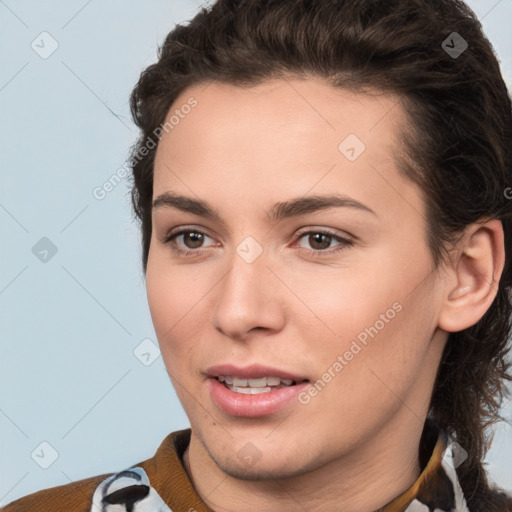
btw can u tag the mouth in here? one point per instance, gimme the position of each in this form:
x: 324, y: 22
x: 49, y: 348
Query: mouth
x: 255, y: 386
x: 253, y: 391
x: 254, y: 379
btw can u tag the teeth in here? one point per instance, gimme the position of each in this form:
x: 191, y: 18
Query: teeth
x: 249, y: 391
x: 253, y: 386
x: 258, y: 383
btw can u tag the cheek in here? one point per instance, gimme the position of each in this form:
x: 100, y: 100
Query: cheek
x: 170, y: 301
x: 179, y: 298
x: 162, y: 300
x: 172, y: 290
x: 381, y: 312
x: 343, y: 302
x: 392, y: 342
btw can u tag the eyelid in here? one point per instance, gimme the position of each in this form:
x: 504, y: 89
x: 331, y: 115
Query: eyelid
x: 174, y: 233
x: 345, y: 242
x: 326, y: 231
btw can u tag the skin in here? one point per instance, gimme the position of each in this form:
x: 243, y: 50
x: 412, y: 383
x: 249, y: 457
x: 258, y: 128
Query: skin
x: 353, y: 447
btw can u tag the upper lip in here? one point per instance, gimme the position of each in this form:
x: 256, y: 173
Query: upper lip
x: 253, y: 371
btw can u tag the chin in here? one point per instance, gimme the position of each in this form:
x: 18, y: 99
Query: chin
x: 265, y: 466
x: 260, y: 472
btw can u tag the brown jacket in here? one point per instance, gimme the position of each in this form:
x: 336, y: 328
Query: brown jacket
x: 165, y: 472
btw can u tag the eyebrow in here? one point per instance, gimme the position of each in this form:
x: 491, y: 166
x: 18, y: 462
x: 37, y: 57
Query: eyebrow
x: 281, y: 210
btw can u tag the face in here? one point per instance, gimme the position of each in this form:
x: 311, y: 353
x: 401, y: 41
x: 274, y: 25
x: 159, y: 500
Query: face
x: 299, y: 257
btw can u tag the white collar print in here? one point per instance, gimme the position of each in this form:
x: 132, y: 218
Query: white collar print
x: 455, y: 493
x: 437, y: 489
x: 127, y: 491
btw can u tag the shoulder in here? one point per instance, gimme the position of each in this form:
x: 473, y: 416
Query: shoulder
x: 79, y: 496
x: 75, y: 496
x: 129, y: 484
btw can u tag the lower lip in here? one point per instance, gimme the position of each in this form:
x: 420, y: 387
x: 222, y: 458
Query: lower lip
x: 252, y: 406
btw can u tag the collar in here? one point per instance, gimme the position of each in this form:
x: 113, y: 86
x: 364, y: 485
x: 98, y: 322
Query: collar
x: 437, y: 488
x: 161, y: 483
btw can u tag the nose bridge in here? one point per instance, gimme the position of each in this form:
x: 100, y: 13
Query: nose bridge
x: 247, y: 294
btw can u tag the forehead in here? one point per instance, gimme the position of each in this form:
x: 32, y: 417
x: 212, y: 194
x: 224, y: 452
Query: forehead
x: 293, y: 135
x: 287, y: 108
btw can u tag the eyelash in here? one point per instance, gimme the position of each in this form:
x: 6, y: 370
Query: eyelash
x: 345, y: 243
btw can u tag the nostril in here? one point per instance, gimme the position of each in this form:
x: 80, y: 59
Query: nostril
x: 127, y: 496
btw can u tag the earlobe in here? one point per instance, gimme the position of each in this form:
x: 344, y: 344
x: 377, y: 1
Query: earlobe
x: 476, y: 271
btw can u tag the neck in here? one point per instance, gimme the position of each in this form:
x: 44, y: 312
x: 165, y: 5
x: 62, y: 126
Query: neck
x: 364, y: 480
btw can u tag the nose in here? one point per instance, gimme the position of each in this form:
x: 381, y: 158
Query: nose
x: 249, y: 298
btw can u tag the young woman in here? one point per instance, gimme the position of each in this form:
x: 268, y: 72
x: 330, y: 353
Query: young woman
x: 324, y: 196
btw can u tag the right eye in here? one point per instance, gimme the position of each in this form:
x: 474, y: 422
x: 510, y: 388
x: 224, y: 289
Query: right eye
x: 195, y: 240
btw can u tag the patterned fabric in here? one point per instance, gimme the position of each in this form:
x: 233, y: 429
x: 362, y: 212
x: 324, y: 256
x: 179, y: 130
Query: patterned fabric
x: 128, y: 491
x: 443, y: 494
x: 436, y: 490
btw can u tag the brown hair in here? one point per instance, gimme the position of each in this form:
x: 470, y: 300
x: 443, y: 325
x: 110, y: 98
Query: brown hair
x: 457, y: 149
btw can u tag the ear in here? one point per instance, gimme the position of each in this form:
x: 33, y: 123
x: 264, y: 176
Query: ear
x: 473, y: 276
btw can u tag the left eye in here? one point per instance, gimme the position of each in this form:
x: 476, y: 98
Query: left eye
x: 324, y: 239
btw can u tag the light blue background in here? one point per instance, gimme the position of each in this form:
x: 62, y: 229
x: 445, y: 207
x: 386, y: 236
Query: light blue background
x: 69, y: 326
